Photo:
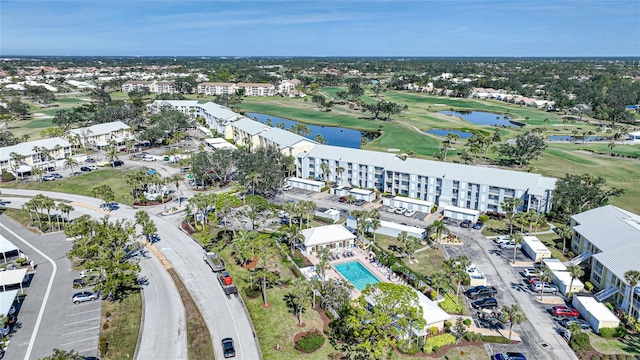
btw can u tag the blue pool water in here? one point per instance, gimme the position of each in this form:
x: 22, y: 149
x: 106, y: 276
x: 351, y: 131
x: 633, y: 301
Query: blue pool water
x: 357, y: 274
x: 443, y: 133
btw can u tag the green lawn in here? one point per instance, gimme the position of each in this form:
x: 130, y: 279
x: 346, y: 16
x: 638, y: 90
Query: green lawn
x: 121, y: 333
x: 83, y: 184
x: 38, y: 124
x: 554, y: 244
x: 630, y: 345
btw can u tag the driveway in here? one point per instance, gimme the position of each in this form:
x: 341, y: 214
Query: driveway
x: 540, y: 339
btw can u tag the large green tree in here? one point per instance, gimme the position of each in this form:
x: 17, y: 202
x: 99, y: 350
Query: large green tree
x: 528, y: 146
x: 578, y: 193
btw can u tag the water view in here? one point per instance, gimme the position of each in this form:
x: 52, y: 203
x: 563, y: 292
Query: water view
x: 444, y: 133
x: 481, y: 118
x: 577, y: 138
x: 335, y: 136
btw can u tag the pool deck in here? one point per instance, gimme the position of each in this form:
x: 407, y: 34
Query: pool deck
x: 382, y: 273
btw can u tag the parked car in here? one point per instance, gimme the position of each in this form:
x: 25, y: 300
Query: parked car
x: 445, y: 220
x: 391, y: 209
x: 48, y: 178
x: 85, y: 168
x: 90, y: 160
x: 359, y: 202
x: 92, y: 167
x: 410, y: 213
x: 227, y: 348
x: 487, y: 303
x: 481, y: 292
x: 56, y: 175
x: 79, y: 283
x: 584, y: 325
x: 342, y: 199
x: 529, y: 272
x: 509, y: 246
x: 147, y: 158
x: 564, y: 311
x: 400, y: 210
x: 508, y: 356
x: 533, y: 279
x: 544, y: 287
x: 465, y: 224
x: 287, y: 187
x: 84, y: 296
x: 478, y: 225
x: 117, y: 163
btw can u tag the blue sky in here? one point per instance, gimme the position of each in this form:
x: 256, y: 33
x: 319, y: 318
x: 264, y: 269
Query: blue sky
x: 321, y: 28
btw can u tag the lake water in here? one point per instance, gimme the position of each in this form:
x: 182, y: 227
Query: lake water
x: 576, y: 138
x: 480, y: 117
x: 443, y: 133
x: 335, y: 136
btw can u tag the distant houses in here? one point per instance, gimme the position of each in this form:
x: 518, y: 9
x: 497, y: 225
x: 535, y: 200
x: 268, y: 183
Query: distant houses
x: 502, y: 95
x: 285, y: 88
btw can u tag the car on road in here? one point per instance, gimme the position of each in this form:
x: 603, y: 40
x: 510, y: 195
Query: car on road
x: 508, y: 356
x: 410, y: 213
x: 544, y: 287
x: 287, y: 187
x: 465, y: 224
x: 90, y: 160
x: 481, y: 291
x: 487, y: 303
x: 147, y: 158
x: 85, y: 168
x: 117, y: 163
x: 227, y: 348
x: 56, y: 175
x: 564, y: 311
x: 391, y: 209
x: 359, y: 202
x: 478, y: 225
x: 400, y: 210
x: 48, y: 178
x: 584, y: 325
x: 84, y: 296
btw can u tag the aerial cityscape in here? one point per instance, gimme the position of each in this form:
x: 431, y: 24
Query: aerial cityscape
x: 320, y: 180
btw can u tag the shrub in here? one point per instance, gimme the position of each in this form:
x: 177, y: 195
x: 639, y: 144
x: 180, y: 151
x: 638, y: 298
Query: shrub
x: 299, y: 261
x: 588, y: 286
x: 440, y: 341
x: 467, y: 322
x: 433, y: 330
x: 103, y: 346
x: 483, y: 218
x: 433, y: 295
x: 310, y: 342
x: 607, y: 332
x: 609, y: 306
x: 580, y: 342
x: 495, y: 339
x: 408, y: 347
x: 621, y: 331
x: 450, y: 305
x: 472, y: 336
x: 253, y: 292
x: 7, y: 176
x: 436, y: 349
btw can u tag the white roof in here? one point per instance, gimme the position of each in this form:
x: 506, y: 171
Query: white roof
x: 249, y: 126
x: 26, y: 148
x: 554, y: 264
x: 12, y: 277
x: 413, y: 201
x: 431, y: 312
x: 565, y: 278
x: 218, y: 143
x: 408, y: 228
x: 306, y: 181
x: 283, y: 138
x: 361, y: 191
x: 101, y: 129
x: 597, y: 309
x: 6, y: 245
x: 535, y: 244
x: 218, y: 111
x: 326, y: 235
x: 204, y: 129
x: 6, y: 300
x: 461, y: 210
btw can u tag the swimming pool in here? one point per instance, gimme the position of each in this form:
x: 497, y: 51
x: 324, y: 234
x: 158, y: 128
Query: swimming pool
x: 357, y: 274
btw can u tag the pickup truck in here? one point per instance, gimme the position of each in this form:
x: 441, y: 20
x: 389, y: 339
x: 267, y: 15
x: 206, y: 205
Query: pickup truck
x: 481, y: 292
x: 214, y: 261
x: 227, y: 284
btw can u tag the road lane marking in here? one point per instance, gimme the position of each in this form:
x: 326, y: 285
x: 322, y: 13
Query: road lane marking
x: 82, y: 321
x: 77, y: 341
x: 54, y: 269
x: 79, y: 331
x: 84, y: 312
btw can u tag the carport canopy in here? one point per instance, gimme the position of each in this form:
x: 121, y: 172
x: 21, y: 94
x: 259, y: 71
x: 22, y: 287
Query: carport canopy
x: 12, y: 277
x: 6, y: 301
x: 6, y: 246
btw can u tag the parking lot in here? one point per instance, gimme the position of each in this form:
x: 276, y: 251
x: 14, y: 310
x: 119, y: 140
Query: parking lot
x: 541, y: 335
x: 81, y: 326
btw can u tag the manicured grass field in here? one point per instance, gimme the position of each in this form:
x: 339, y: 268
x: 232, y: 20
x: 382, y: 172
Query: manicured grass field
x: 124, y: 326
x: 38, y: 124
x: 83, y: 184
x: 629, y: 345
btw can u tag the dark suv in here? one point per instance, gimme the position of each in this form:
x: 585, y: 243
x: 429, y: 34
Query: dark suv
x: 117, y: 163
x: 465, y: 224
x: 488, y: 303
x: 227, y: 348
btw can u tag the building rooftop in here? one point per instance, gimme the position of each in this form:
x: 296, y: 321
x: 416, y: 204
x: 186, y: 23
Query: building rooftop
x: 101, y: 129
x: 249, y: 126
x: 357, y: 156
x: 26, y: 148
x: 283, y: 138
x: 219, y: 111
x: 609, y: 227
x: 326, y: 234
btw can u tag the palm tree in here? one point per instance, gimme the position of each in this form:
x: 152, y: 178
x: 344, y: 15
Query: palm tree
x: 511, y: 206
x: 517, y: 239
x: 632, y: 277
x: 513, y: 315
x: 70, y: 162
x: 254, y: 178
x: 576, y: 272
x: 545, y: 276
x: 438, y: 228
x: 565, y: 233
x: 326, y: 171
x: 339, y: 171
x: 375, y: 225
x: 66, y: 209
x: 611, y: 145
x: 350, y: 199
x: 323, y: 262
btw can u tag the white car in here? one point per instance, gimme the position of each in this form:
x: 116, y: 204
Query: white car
x: 149, y: 158
x: 92, y: 167
x: 400, y: 210
x: 410, y: 213
x: 287, y: 187
x: 391, y: 209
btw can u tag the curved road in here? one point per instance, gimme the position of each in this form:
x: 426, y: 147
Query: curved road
x: 224, y: 317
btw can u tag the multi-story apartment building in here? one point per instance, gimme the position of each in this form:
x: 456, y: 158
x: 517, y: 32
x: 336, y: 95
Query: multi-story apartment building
x: 252, y: 89
x: 472, y: 187
x: 216, y: 116
x: 607, y: 240
x: 39, y: 153
x: 101, y: 135
x: 130, y: 86
x: 213, y: 88
x: 155, y: 87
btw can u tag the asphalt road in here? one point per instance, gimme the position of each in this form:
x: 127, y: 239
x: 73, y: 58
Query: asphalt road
x: 540, y: 338
x: 225, y: 317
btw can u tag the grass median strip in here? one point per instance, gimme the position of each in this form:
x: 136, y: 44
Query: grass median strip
x: 120, y: 326
x: 199, y: 344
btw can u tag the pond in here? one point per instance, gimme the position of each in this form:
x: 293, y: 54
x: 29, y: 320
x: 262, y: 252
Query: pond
x: 481, y: 118
x: 335, y: 136
x: 444, y: 132
x: 577, y: 138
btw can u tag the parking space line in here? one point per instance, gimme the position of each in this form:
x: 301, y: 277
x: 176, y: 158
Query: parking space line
x: 79, y: 331
x: 82, y: 321
x: 89, y: 349
x: 77, y: 341
x: 84, y: 312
